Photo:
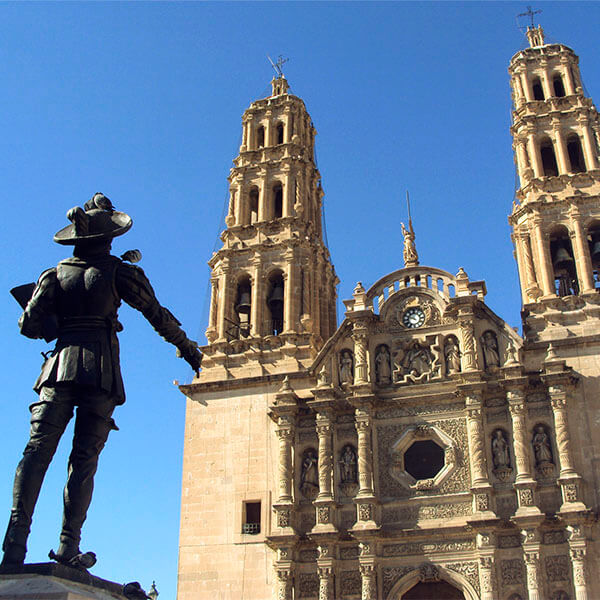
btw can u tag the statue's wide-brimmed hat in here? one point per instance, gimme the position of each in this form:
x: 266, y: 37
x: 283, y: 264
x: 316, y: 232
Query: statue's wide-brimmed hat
x: 93, y: 224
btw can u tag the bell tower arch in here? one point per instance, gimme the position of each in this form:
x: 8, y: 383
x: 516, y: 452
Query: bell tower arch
x: 556, y: 136
x: 273, y: 275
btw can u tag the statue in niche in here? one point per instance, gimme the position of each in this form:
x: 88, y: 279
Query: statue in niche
x: 309, y: 478
x: 383, y: 370
x: 348, y: 464
x: 500, y: 453
x: 452, y: 355
x: 417, y: 359
x: 541, y: 447
x: 489, y: 343
x: 346, y: 367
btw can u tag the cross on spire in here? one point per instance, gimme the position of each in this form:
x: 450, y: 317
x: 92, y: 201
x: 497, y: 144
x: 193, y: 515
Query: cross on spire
x: 529, y: 13
x: 277, y: 66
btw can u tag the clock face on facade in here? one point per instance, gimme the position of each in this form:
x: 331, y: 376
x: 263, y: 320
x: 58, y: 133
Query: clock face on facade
x: 413, y: 317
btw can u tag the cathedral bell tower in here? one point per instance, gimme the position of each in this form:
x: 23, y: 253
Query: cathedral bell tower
x: 556, y: 218
x: 273, y: 285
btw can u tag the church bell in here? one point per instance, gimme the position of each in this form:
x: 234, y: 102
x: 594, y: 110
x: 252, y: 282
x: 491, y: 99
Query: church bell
x: 562, y: 258
x: 275, y: 300
x: 243, y: 306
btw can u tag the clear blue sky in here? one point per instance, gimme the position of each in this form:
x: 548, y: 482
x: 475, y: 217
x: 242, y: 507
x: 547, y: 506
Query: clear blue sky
x: 142, y: 101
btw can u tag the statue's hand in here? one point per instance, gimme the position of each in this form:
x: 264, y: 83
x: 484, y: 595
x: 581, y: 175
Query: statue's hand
x: 188, y: 350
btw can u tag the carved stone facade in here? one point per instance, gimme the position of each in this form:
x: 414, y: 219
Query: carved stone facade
x: 423, y: 442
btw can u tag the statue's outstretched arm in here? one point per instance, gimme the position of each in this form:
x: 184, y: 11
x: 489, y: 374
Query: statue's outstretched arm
x: 135, y: 289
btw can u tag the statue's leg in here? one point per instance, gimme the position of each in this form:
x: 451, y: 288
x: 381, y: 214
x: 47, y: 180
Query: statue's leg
x: 49, y: 417
x: 92, y: 425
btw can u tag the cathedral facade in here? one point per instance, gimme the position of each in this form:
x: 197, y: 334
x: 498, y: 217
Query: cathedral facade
x: 422, y: 448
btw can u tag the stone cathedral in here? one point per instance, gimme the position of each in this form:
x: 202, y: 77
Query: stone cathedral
x: 421, y: 449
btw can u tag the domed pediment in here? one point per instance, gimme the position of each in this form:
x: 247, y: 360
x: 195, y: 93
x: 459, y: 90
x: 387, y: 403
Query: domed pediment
x: 417, y: 325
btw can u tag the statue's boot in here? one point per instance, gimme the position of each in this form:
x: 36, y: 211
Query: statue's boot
x: 14, y: 555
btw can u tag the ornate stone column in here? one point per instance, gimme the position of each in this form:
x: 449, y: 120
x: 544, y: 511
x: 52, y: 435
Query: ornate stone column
x: 487, y: 579
x: 324, y: 502
x: 526, y: 85
x: 365, y: 457
x: 561, y: 152
x: 326, y: 589
x: 475, y: 437
x: 568, y: 78
x: 548, y: 91
x: 486, y: 546
x: 526, y: 271
x: 289, y: 197
x: 583, y: 260
x: 569, y: 479
x: 368, y: 571
x: 258, y: 300
x: 324, y: 431
x: 365, y: 499
x: 360, y: 337
x: 589, y: 147
x: 534, y: 153
x: 285, y: 434
x: 289, y: 287
x: 211, y: 332
x: 544, y: 261
x: 580, y: 572
x: 524, y: 484
x: 468, y: 357
x: 224, y: 301
x: 480, y: 485
x: 534, y: 575
x: 284, y: 582
x: 263, y: 195
x: 325, y: 570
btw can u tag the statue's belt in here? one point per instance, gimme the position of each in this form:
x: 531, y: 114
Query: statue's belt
x: 85, y: 323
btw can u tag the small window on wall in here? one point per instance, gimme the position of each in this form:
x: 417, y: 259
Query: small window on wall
x: 251, y: 518
x: 280, y: 133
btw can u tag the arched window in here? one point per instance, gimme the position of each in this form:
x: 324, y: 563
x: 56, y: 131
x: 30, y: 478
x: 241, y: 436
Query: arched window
x: 559, y: 88
x: 260, y: 137
x: 563, y: 263
x: 538, y: 90
x: 280, y: 131
x: 242, y: 308
x: 575, y: 153
x: 548, y: 158
x: 253, y: 204
x: 275, y: 299
x: 277, y: 201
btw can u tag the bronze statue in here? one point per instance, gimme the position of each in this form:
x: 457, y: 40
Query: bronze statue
x: 76, y: 303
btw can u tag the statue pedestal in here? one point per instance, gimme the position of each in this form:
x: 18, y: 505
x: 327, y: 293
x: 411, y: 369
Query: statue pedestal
x: 51, y: 581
